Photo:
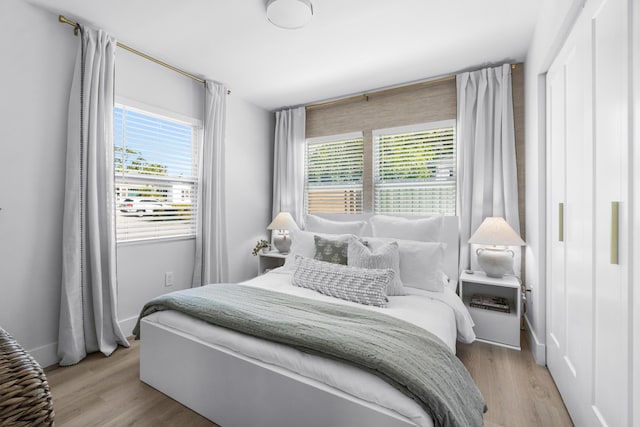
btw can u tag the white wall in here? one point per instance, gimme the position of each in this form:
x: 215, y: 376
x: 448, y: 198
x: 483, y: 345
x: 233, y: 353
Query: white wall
x: 249, y: 154
x: 249, y: 174
x: 554, y: 22
x: 38, y: 57
x: 141, y: 80
x: 37, y: 65
x: 141, y: 269
x: 141, y: 266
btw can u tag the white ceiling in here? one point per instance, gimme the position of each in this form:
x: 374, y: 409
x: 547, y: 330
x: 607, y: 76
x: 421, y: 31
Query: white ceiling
x: 350, y: 46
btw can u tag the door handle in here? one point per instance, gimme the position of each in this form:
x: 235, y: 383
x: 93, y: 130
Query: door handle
x: 560, y: 222
x: 614, y: 232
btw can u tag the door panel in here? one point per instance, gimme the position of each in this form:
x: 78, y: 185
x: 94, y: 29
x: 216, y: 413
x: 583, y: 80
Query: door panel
x: 634, y: 176
x: 570, y: 281
x: 556, y: 326
x: 579, y: 228
x: 588, y: 315
x: 609, y: 37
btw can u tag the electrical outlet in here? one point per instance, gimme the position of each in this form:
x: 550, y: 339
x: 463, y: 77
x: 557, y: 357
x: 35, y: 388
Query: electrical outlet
x: 168, y: 278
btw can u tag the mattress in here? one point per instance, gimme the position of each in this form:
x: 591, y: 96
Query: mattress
x: 443, y: 314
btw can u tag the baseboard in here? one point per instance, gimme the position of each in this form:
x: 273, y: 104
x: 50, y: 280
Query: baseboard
x: 127, y: 325
x: 538, y: 348
x: 46, y: 355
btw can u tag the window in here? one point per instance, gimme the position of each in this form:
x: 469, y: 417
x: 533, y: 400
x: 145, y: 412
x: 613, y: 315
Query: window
x: 415, y: 169
x: 333, y: 170
x: 156, y: 171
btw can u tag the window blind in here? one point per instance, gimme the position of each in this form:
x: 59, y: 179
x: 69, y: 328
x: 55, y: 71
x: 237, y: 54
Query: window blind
x: 415, y: 170
x: 333, y: 171
x: 156, y: 175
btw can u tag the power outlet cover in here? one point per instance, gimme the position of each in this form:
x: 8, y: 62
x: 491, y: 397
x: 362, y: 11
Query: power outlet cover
x: 168, y: 278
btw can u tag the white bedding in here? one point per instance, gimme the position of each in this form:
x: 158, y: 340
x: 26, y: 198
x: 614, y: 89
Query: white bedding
x: 441, y: 313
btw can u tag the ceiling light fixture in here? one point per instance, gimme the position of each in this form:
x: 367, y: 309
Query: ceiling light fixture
x: 289, y: 14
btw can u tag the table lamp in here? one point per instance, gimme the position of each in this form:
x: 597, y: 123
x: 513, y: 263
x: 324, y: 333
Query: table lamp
x: 282, y: 222
x: 496, y: 261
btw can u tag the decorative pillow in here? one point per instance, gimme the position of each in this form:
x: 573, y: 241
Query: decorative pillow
x: 421, y: 263
x: 318, y: 224
x: 361, y: 285
x: 333, y: 251
x: 424, y: 229
x: 386, y: 256
x: 303, y: 243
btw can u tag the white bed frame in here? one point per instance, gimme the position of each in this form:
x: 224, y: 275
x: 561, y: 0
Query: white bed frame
x: 233, y: 390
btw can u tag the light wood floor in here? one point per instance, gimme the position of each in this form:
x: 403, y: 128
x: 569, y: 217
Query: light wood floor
x: 107, y: 391
x: 517, y: 391
x: 102, y: 391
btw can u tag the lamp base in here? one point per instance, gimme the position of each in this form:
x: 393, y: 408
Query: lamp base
x: 495, y: 262
x: 282, y: 243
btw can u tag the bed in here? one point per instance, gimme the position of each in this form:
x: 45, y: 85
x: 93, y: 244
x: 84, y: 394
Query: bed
x: 236, y: 379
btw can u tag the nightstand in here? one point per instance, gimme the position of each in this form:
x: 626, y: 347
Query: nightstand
x: 270, y: 260
x: 494, y: 327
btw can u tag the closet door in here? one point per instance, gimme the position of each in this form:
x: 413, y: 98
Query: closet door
x: 589, y: 351
x: 570, y: 224
x: 609, y: 32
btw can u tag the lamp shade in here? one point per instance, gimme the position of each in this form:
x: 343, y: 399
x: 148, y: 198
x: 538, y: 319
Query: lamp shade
x: 283, y: 221
x: 495, y: 231
x: 289, y: 14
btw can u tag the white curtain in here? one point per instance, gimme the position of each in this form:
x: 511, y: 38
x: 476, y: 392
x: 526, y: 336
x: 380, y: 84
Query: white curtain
x: 288, y: 164
x: 211, y: 264
x: 88, y: 309
x: 487, y: 175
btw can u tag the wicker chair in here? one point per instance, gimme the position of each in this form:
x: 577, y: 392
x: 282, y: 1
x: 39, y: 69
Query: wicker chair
x: 25, y: 398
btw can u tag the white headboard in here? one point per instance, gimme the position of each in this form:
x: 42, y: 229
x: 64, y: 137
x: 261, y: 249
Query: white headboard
x: 451, y: 236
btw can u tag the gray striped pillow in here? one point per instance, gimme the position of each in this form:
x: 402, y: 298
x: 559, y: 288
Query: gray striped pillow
x: 360, y: 285
x: 386, y: 256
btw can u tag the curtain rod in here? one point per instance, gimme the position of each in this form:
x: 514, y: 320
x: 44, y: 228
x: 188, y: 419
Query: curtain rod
x: 64, y: 20
x: 366, y: 96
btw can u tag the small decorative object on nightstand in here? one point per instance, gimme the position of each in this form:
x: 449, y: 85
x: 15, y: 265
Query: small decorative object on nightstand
x: 283, y: 222
x: 494, y: 304
x: 267, y: 261
x: 261, y: 246
x: 496, y: 261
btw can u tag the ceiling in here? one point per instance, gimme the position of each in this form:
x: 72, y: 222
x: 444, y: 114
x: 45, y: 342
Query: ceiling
x: 350, y: 46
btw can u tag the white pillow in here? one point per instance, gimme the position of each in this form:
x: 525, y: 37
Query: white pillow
x: 317, y: 224
x: 387, y: 256
x: 421, y: 263
x: 424, y: 229
x: 303, y: 244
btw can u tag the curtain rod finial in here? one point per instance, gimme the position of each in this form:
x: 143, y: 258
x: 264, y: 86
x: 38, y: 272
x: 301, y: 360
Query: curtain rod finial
x: 75, y: 25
